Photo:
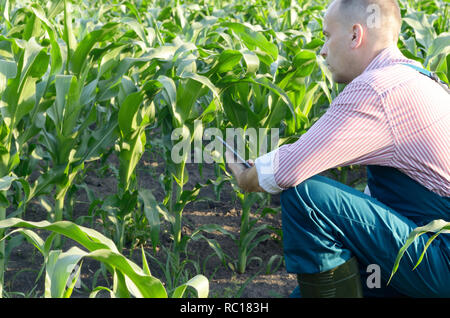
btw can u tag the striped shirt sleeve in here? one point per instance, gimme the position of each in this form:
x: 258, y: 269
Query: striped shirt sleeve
x: 354, y: 130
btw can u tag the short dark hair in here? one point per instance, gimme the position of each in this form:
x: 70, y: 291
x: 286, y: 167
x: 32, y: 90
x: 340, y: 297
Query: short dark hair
x: 389, y: 11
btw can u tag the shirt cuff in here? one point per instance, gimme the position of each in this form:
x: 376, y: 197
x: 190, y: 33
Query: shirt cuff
x: 266, y: 172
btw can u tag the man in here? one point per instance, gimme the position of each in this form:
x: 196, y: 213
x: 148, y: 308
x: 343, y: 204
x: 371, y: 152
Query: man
x: 392, y: 119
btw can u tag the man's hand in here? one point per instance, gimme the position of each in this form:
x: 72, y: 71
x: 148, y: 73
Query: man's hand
x: 247, y: 178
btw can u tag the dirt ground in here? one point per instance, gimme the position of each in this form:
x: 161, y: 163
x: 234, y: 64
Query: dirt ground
x: 259, y: 280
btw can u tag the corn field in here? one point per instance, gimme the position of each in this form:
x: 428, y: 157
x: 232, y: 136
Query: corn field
x: 92, y: 87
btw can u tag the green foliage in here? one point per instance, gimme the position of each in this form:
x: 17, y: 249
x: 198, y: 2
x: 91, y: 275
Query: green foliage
x: 129, y: 278
x: 80, y: 81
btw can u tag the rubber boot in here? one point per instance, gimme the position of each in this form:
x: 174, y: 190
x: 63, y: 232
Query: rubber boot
x: 343, y: 281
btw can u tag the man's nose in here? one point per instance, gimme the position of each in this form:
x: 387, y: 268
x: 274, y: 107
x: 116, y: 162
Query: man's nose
x: 323, y: 52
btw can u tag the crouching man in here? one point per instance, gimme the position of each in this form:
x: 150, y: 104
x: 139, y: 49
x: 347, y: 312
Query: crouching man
x: 391, y: 118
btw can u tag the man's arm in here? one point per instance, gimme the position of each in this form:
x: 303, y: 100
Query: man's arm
x: 354, y: 130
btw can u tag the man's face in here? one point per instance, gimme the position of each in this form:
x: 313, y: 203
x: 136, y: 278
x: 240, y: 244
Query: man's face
x: 337, y: 49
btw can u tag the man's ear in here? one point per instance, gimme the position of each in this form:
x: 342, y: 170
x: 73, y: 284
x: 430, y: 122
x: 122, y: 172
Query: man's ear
x: 357, y: 36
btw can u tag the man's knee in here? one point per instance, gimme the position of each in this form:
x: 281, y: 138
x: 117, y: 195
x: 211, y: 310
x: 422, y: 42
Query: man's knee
x: 297, y: 202
x: 315, y: 188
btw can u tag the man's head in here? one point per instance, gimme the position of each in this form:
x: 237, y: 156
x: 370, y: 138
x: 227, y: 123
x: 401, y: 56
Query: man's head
x: 355, y: 32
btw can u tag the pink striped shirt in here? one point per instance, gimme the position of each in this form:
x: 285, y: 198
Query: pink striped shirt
x: 390, y: 115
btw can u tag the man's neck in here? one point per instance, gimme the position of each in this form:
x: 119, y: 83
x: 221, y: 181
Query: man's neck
x: 371, y: 55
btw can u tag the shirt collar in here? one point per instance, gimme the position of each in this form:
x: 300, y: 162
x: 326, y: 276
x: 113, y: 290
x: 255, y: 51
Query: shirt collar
x: 388, y: 56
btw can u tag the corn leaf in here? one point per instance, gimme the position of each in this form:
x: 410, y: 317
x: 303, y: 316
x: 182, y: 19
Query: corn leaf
x: 58, y: 270
x: 199, y: 283
x: 89, y: 238
x: 152, y: 210
x: 438, y: 226
x: 59, y: 265
x: 128, y: 113
x: 80, y: 56
x: 253, y: 39
x: 148, y: 286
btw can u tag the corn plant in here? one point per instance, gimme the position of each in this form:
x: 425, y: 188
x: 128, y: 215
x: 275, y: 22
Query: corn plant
x: 133, y: 117
x: 18, y: 94
x: 180, y: 97
x: 249, y: 233
x: 249, y: 100
x: 425, y: 36
x: 128, y: 278
x: 66, y: 100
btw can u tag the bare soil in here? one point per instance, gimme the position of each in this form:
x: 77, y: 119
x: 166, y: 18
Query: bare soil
x: 259, y: 280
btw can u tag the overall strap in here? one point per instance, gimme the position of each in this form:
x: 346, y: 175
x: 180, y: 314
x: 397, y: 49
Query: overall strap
x: 429, y: 74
